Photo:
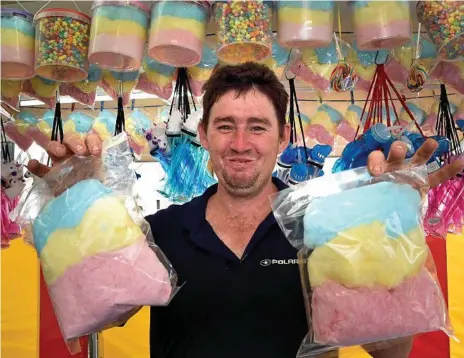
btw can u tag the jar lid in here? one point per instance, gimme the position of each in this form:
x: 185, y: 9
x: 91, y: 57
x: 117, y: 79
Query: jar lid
x: 16, y: 12
x: 62, y: 12
x: 132, y: 3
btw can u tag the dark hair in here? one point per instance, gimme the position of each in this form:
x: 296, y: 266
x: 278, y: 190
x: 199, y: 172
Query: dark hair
x: 241, y: 79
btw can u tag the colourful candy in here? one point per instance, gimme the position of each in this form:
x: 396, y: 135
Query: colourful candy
x: 244, y: 31
x: 417, y: 77
x: 42, y: 89
x: 118, y: 34
x: 444, y: 22
x: 17, y: 45
x: 84, y: 91
x: 343, y: 78
x: 156, y: 78
x: 10, y: 91
x: 62, y: 42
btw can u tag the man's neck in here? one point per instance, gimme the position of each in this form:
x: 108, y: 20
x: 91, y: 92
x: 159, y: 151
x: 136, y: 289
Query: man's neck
x: 231, y: 205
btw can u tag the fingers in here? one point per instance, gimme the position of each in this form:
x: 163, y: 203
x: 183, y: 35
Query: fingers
x: 425, y: 152
x: 76, y: 144
x: 396, y: 155
x: 94, y: 144
x: 37, y: 169
x: 376, y: 163
x: 446, y: 173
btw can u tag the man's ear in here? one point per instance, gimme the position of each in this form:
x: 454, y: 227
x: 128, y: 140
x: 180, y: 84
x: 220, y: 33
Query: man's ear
x: 202, y: 134
x: 285, y: 138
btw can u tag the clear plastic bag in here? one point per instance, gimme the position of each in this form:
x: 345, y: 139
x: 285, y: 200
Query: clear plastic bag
x: 156, y: 78
x: 41, y: 89
x: 118, y: 84
x: 84, y: 91
x: 199, y: 74
x: 78, y: 123
x: 366, y: 270
x: 97, y: 252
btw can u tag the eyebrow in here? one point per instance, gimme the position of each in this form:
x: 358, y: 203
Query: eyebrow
x: 252, y: 120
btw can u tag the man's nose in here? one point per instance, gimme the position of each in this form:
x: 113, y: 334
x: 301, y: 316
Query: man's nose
x: 240, y: 141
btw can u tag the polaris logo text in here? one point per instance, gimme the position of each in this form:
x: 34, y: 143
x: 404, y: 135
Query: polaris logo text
x: 268, y: 262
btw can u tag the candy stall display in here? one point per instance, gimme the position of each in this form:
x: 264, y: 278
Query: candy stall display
x: 29, y: 126
x: 17, y: 133
x: 45, y: 124
x: 419, y: 114
x: 364, y: 63
x: 381, y: 24
x: 61, y: 44
x: 104, y: 125
x: 305, y: 23
x: 137, y: 123
x: 350, y: 123
x: 156, y: 78
x: 444, y: 22
x: 177, y: 32
x: 244, y: 31
x: 118, y: 34
x: 17, y: 44
x: 322, y: 126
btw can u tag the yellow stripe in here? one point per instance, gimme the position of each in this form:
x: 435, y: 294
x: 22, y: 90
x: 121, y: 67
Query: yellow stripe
x: 302, y: 15
x: 10, y: 37
x: 158, y: 78
x: 322, y: 118
x: 364, y: 256
x: 200, y: 74
x: 43, y: 89
x: 176, y: 23
x: 353, y: 352
x: 20, y: 301
x: 105, y: 26
x: 86, y: 86
x: 454, y: 250
x: 106, y: 226
x: 11, y: 89
x: 130, y: 341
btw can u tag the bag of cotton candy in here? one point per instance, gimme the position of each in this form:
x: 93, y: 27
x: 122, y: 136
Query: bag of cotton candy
x: 98, y: 256
x: 367, y: 275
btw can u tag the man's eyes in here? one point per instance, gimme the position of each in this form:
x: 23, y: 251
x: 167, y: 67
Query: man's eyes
x: 258, y: 129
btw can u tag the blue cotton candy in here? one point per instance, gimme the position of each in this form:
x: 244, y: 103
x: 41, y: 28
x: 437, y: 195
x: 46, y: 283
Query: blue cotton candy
x: 396, y: 205
x: 67, y: 210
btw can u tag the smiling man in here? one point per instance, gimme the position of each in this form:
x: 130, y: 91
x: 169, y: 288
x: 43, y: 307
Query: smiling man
x: 241, y: 295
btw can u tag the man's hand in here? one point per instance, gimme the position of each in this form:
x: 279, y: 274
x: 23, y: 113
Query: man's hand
x: 72, y: 145
x: 377, y: 164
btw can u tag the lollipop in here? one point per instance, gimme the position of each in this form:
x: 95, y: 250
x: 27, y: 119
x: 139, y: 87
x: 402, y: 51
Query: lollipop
x: 343, y: 78
x: 417, y: 77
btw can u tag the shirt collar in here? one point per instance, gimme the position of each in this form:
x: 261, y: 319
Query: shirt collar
x: 195, y: 214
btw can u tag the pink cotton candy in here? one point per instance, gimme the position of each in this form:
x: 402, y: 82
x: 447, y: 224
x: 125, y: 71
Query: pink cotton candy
x: 147, y: 86
x: 196, y: 86
x: 396, y: 71
x: 346, y: 131
x: 23, y: 142
x: 40, y: 138
x: 305, y: 74
x: 319, y: 133
x: 105, y: 288
x: 343, y: 316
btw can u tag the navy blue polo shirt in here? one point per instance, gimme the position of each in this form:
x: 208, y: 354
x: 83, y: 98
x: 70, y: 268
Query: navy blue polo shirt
x: 227, y: 307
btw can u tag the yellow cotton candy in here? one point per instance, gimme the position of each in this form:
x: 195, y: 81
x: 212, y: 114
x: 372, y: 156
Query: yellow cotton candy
x: 69, y: 127
x: 101, y: 130
x: 380, y: 12
x: 172, y: 23
x: 42, y: 89
x: 103, y: 25
x: 158, y: 78
x: 105, y: 227
x: 322, y: 118
x: 365, y: 256
x: 86, y: 86
x: 200, y: 73
x: 307, y: 16
x: 45, y: 128
x: 11, y: 88
x: 366, y: 73
x: 352, y: 118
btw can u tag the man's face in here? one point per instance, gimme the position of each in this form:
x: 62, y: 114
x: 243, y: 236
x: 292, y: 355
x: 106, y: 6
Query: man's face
x: 243, y: 141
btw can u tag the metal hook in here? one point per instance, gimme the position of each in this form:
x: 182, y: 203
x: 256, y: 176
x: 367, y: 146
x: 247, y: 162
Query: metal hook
x: 376, y: 56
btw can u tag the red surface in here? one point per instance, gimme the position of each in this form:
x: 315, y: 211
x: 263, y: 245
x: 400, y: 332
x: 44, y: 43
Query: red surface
x: 51, y: 343
x: 435, y: 344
